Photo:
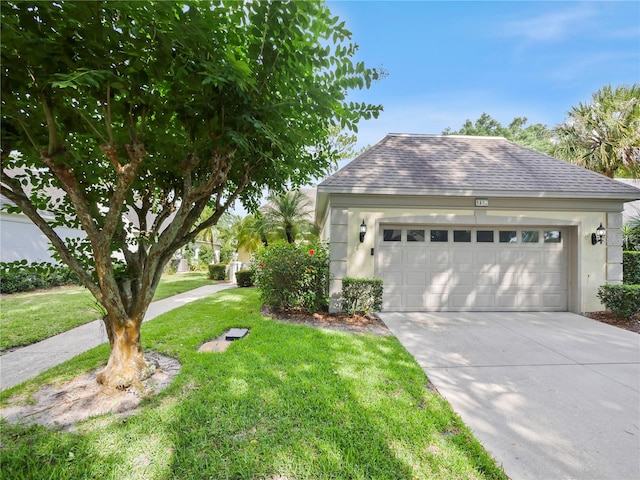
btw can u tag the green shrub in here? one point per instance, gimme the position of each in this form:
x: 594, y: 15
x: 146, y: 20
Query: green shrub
x: 361, y: 295
x: 293, y: 276
x: 244, y: 278
x: 226, y: 253
x: 622, y: 300
x: 20, y: 276
x: 631, y: 267
x: 205, y: 257
x: 218, y: 271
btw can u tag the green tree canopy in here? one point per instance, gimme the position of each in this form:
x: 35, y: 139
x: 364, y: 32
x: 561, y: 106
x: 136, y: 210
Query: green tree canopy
x: 140, y: 114
x: 603, y: 135
x: 536, y: 136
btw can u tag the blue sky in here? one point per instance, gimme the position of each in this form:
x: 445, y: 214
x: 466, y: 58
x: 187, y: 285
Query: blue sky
x: 451, y: 61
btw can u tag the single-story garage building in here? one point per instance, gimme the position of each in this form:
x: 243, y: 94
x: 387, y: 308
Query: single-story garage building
x: 460, y: 223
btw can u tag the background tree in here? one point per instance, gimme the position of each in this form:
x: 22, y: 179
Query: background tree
x: 250, y: 232
x: 342, y: 144
x: 603, y: 135
x: 536, y: 136
x: 143, y: 113
x: 631, y: 234
x: 207, y: 234
x: 287, y: 216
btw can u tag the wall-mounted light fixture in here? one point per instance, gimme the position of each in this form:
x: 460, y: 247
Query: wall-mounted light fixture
x: 363, y: 231
x: 598, y: 236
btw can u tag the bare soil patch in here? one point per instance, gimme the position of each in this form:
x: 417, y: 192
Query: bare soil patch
x: 63, y: 406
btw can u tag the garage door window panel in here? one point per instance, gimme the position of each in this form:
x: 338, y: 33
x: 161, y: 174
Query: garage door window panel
x: 530, y: 236
x: 552, y: 236
x: 439, y: 235
x: 484, y: 236
x: 462, y: 236
x: 508, y: 236
x: 415, y: 236
x: 392, y: 235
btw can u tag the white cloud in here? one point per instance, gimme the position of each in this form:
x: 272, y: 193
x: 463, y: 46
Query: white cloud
x: 551, y: 26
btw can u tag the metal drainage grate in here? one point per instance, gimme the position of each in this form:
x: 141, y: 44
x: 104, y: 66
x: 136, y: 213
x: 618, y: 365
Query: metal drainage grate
x: 236, y: 334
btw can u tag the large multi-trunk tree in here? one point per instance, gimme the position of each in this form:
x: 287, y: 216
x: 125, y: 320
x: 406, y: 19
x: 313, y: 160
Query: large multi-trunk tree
x: 140, y: 114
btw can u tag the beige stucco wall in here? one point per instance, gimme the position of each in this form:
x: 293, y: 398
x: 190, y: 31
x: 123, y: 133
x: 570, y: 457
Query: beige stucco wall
x: 589, y: 265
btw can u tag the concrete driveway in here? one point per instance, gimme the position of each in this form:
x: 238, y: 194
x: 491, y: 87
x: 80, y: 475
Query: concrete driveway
x: 550, y: 395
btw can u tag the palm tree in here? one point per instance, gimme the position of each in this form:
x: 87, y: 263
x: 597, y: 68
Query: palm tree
x: 250, y: 233
x: 287, y: 215
x: 208, y: 234
x: 604, y: 135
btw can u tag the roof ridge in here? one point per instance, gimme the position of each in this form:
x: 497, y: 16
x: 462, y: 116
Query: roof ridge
x: 440, y: 135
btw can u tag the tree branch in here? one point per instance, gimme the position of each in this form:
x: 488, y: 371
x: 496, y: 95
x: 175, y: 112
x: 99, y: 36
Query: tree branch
x: 164, y: 214
x: 51, y: 125
x: 125, y: 176
x: 26, y: 131
x: 219, y: 168
x: 100, y: 244
x: 95, y: 130
x: 107, y: 114
x: 11, y: 189
x: 71, y: 186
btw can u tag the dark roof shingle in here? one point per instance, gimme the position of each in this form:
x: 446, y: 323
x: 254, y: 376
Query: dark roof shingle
x: 450, y: 163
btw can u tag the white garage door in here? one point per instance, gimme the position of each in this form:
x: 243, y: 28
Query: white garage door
x: 472, y: 268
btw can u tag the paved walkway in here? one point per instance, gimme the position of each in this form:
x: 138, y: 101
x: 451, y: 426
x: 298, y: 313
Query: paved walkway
x: 550, y: 395
x: 25, y: 363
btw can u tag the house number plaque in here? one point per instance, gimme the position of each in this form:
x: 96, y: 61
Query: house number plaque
x: 482, y: 202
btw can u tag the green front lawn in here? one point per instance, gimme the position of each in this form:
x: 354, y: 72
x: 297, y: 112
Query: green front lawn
x: 288, y: 401
x: 29, y: 317
x: 179, y: 283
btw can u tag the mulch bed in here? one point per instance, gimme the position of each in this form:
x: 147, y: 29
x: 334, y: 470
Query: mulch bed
x: 334, y: 321
x: 632, y: 324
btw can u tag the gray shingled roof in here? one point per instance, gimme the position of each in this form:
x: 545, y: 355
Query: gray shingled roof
x: 437, y: 164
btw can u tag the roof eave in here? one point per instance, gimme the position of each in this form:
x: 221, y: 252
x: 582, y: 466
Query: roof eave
x: 624, y: 197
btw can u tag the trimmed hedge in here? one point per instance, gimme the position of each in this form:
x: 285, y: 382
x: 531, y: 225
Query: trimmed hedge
x: 218, y: 271
x: 361, y: 295
x: 622, y: 300
x: 631, y: 267
x: 244, y: 278
x: 20, y: 276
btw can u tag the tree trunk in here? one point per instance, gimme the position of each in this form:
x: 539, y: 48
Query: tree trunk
x: 288, y: 230
x: 127, y: 365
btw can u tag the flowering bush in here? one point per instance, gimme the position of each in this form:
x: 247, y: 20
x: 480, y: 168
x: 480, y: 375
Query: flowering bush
x: 293, y: 276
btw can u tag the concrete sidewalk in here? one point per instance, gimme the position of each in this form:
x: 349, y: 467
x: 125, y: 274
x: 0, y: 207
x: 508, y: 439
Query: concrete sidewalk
x: 25, y: 363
